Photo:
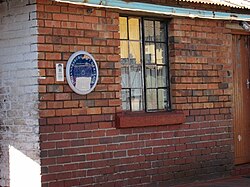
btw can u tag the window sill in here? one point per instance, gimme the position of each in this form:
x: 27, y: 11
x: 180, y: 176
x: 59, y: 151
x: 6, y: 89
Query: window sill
x: 143, y: 119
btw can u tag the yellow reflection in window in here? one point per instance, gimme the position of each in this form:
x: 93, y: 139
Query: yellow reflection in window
x: 150, y: 53
x: 160, y: 55
x: 134, y: 52
x: 124, y: 49
x: 123, y: 28
x: 134, y: 33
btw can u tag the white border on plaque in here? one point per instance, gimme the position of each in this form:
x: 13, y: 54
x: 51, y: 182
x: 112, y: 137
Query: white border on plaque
x: 82, y: 72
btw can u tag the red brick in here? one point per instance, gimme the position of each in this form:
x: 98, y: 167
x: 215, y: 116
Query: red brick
x: 61, y: 48
x: 45, y: 47
x: 63, y: 112
x: 52, y: 8
x: 76, y: 18
x: 55, y: 104
x: 42, y: 105
x: 85, y: 26
x: 46, y: 113
x: 69, y: 120
x: 91, y: 111
x: 76, y: 33
x: 62, y: 96
x: 84, y: 41
x: 53, y: 56
x: 79, y: 111
x: 60, y: 32
x: 68, y: 40
x: 88, y: 122
x: 90, y: 19
x: 84, y: 119
x: 60, y: 17
x: 45, y: 31
x: 54, y: 121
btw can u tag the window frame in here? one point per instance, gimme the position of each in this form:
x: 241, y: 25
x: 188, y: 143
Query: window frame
x: 166, y: 65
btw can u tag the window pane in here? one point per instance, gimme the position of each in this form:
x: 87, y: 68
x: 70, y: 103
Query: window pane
x: 133, y: 81
x: 160, y: 31
x: 161, y: 76
x: 125, y: 77
x: 135, y: 52
x: 162, y: 99
x: 136, y: 77
x: 134, y: 33
x: 123, y: 28
x: 161, y: 53
x: 151, y: 99
x: 150, y: 76
x: 124, y: 52
x: 149, y: 30
x: 125, y: 99
x: 150, y: 53
x: 137, y: 99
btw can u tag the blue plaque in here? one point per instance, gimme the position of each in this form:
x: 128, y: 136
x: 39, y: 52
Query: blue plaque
x: 82, y: 72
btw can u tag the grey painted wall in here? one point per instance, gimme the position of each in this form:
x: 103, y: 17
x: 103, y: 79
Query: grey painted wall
x: 19, y: 128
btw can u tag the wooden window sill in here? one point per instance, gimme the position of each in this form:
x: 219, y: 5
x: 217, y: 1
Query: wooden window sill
x: 143, y: 119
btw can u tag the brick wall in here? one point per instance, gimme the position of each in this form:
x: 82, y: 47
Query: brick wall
x: 19, y: 137
x: 80, y: 145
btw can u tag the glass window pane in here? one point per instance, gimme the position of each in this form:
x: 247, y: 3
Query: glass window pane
x: 134, y: 29
x: 123, y: 28
x: 161, y: 53
x: 124, y: 52
x: 151, y: 99
x: 125, y: 77
x: 162, y: 99
x: 125, y: 99
x: 149, y: 30
x: 151, y: 77
x: 136, y: 77
x: 134, y: 82
x: 137, y: 99
x: 135, y: 52
x: 161, y: 76
x: 160, y: 31
x: 150, y: 53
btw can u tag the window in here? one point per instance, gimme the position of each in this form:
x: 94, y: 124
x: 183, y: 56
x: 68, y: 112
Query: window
x: 145, y: 77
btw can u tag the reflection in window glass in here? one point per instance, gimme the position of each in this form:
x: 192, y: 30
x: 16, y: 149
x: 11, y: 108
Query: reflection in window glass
x: 134, y: 53
x: 161, y: 53
x: 151, y: 99
x: 161, y: 76
x: 123, y: 28
x: 125, y: 99
x: 160, y: 31
x: 136, y: 77
x: 149, y: 30
x: 144, y: 51
x: 162, y: 99
x: 125, y: 77
x: 150, y: 53
x: 137, y: 100
x: 134, y: 33
x: 150, y: 77
x: 124, y: 52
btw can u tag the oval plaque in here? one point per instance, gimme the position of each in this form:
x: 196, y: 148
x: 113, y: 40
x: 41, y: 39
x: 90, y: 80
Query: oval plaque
x: 82, y: 72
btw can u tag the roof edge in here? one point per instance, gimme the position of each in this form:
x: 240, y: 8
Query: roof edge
x: 160, y: 9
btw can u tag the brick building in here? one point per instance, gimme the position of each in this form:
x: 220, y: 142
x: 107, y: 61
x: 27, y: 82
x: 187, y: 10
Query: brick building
x: 170, y: 105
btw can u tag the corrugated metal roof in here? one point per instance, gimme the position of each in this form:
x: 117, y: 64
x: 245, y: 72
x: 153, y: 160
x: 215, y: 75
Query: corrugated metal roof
x: 244, y: 4
x: 161, y: 9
